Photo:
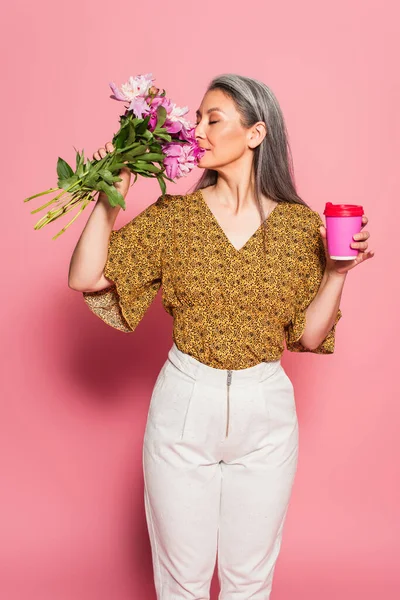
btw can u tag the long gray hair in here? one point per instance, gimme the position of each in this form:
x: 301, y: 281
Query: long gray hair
x: 273, y: 163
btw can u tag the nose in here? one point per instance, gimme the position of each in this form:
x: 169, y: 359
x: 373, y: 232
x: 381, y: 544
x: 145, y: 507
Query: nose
x: 197, y: 132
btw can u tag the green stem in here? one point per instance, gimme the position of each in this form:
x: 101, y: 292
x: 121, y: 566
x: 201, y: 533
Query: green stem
x: 41, y: 194
x: 85, y: 202
x: 56, y: 197
x: 48, y: 203
x: 52, y: 215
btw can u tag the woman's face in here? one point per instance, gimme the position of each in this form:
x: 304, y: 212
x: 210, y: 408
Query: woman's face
x: 220, y: 131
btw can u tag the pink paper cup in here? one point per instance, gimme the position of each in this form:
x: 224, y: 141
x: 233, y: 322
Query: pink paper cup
x: 342, y: 222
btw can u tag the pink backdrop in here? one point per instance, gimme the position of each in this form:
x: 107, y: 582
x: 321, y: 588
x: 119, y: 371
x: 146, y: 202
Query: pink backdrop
x: 75, y: 392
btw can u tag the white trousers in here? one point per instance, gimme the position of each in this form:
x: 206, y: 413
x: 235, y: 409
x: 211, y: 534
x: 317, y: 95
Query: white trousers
x: 219, y: 460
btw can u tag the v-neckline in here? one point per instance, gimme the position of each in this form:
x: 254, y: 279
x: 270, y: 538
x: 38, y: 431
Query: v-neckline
x: 216, y: 222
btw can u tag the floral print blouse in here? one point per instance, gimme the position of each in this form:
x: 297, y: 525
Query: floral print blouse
x: 231, y: 309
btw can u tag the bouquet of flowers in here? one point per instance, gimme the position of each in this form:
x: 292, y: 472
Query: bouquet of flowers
x: 154, y: 140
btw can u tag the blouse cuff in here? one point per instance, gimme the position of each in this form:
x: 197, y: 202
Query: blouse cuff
x: 296, y: 328
x: 105, y: 304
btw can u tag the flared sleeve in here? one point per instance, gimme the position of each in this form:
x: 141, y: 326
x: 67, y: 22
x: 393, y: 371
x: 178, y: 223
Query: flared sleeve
x: 312, y: 271
x: 134, y: 266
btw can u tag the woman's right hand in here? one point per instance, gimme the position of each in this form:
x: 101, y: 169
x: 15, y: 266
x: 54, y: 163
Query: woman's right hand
x: 125, y: 174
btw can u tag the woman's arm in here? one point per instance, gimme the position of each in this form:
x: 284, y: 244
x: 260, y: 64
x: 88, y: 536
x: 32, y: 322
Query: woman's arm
x: 322, y: 312
x: 90, y: 253
x: 134, y: 265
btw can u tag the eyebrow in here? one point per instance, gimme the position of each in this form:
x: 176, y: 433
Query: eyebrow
x: 198, y: 113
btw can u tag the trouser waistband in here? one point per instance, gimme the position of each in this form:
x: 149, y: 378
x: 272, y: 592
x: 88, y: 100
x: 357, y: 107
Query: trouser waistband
x: 200, y: 371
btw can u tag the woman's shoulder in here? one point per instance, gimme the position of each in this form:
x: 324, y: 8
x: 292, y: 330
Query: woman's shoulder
x: 301, y: 225
x: 163, y: 206
x: 301, y: 211
x: 161, y: 213
x: 302, y: 215
x: 170, y: 201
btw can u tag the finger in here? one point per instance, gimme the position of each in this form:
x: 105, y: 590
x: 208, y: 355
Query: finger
x: 360, y: 245
x: 109, y: 147
x: 363, y: 256
x: 364, y: 235
x: 102, y: 152
x: 360, y: 258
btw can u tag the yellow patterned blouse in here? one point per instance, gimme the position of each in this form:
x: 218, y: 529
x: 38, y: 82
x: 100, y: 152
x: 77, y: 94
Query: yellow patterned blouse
x: 231, y: 308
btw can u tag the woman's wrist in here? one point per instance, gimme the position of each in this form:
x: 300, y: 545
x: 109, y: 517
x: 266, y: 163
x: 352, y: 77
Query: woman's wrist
x: 336, y: 275
x: 104, y: 201
x: 110, y: 212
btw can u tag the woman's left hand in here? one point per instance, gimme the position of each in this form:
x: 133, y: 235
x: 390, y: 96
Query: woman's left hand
x: 343, y: 266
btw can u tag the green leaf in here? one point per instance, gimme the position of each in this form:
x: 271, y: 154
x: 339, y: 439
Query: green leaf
x: 115, y: 198
x: 87, y: 166
x: 147, y: 167
x: 119, y: 141
x: 161, y: 116
x: 63, y: 169
x: 147, y: 135
x: 66, y: 183
x: 165, y: 136
x: 132, y: 146
x: 135, y: 150
x: 141, y: 127
x: 107, y: 176
x: 131, y: 134
x: 144, y: 173
x: 150, y: 156
x: 80, y: 166
x: 117, y: 166
x: 90, y: 179
x: 161, y: 182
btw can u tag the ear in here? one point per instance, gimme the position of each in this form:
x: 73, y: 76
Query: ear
x: 257, y: 134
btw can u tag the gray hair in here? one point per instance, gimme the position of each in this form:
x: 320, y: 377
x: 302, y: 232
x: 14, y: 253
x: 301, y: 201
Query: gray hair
x: 273, y: 163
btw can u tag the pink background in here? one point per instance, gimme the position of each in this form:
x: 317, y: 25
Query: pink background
x: 75, y: 392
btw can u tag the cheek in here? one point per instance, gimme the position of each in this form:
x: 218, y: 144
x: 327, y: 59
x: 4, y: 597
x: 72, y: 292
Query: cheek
x: 228, y: 142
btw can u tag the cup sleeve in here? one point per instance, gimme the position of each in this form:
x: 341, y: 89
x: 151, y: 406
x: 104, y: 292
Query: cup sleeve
x: 312, y: 270
x: 134, y: 268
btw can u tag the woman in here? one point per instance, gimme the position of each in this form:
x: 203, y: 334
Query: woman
x: 243, y: 264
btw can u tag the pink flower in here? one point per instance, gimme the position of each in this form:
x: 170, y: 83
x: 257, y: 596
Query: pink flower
x: 152, y: 110
x: 144, y: 101
x: 189, y: 136
x: 134, y: 92
x: 181, y: 158
x: 174, y: 120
